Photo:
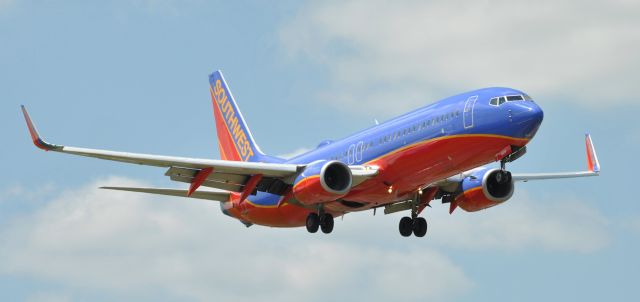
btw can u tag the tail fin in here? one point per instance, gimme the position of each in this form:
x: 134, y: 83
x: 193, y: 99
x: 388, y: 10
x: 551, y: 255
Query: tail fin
x: 234, y: 137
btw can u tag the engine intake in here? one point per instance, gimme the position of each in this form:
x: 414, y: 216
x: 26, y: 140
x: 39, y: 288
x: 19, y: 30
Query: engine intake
x: 497, y: 185
x: 336, y: 177
x: 323, y: 181
x: 484, y: 189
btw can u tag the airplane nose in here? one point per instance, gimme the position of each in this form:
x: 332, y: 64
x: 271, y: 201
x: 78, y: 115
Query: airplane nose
x: 526, y: 117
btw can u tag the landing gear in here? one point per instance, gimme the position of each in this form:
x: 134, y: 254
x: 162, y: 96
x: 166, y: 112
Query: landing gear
x: 503, y: 176
x: 323, y: 221
x: 414, y: 224
x: 313, y: 222
x: 326, y: 223
x: 406, y: 226
x: 417, y: 226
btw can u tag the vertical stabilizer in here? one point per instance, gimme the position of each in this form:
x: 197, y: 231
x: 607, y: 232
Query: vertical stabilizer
x: 234, y: 137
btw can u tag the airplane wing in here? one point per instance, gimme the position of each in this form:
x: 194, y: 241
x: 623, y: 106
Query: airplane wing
x: 593, y: 167
x: 218, y: 195
x: 231, y: 176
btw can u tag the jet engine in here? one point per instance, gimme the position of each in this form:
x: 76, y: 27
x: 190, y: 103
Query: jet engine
x: 323, y: 181
x: 484, y: 189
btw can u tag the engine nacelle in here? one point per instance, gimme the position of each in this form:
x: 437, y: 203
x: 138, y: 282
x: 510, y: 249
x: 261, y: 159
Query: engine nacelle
x: 484, y: 189
x: 322, y: 181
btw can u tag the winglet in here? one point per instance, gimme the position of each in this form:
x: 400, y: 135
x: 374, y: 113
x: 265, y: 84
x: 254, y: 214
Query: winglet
x: 592, y: 159
x: 37, y: 140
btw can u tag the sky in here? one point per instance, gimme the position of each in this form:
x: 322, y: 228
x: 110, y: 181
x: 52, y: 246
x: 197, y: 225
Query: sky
x: 131, y: 75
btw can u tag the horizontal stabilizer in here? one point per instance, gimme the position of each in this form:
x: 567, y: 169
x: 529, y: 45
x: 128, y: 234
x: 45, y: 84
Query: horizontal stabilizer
x: 218, y: 195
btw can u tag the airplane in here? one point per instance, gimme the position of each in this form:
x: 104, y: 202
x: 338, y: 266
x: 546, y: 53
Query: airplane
x: 438, y: 151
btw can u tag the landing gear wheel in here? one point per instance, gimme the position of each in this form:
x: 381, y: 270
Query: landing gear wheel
x: 326, y: 223
x: 406, y: 226
x: 419, y: 227
x: 313, y: 222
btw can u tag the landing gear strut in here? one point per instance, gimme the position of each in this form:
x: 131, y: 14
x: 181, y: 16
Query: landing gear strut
x: 414, y: 224
x: 503, y: 176
x: 323, y: 221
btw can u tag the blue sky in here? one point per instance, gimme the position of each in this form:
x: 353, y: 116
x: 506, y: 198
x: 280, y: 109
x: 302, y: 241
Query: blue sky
x: 132, y: 76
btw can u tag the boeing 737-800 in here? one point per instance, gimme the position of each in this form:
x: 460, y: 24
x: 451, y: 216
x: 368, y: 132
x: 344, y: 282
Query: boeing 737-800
x: 434, y: 152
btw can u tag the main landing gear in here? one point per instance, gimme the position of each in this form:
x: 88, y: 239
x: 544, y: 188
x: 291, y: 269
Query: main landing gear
x: 417, y: 226
x: 323, y: 221
x: 414, y: 224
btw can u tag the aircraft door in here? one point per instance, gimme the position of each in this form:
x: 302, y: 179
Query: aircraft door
x: 467, y: 114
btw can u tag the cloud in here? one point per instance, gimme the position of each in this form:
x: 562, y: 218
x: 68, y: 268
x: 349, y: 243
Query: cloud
x: 132, y: 244
x: 560, y: 223
x: 525, y: 223
x: 16, y: 191
x: 392, y: 56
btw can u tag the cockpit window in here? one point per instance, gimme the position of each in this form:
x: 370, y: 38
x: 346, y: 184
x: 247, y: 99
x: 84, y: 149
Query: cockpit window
x: 497, y: 101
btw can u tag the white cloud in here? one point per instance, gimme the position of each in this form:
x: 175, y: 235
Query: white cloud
x: 128, y: 243
x: 16, y: 191
x: 132, y: 244
x: 524, y: 223
x: 558, y: 224
x: 391, y: 56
